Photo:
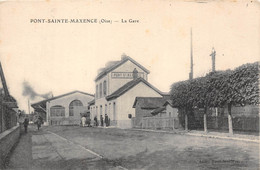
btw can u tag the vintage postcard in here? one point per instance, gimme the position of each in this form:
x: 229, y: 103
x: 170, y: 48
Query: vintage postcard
x: 120, y: 84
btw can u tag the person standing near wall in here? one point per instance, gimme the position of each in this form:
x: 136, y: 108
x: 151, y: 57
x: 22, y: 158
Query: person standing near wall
x: 95, y: 121
x: 25, y: 124
x: 106, y: 120
x: 83, y: 121
x: 101, y: 120
x: 39, y: 122
x: 88, y: 122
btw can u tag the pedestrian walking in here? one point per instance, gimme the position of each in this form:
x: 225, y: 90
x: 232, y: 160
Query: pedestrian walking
x: 106, y: 120
x: 95, y: 121
x: 88, y: 122
x: 83, y: 121
x: 101, y: 120
x: 39, y: 122
x: 25, y: 124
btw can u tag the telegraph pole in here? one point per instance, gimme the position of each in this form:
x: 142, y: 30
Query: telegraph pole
x: 191, y: 56
x: 190, y: 77
x: 29, y: 106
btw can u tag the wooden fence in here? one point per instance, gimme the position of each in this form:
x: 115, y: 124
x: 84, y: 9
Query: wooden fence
x: 159, y: 123
x: 240, y: 123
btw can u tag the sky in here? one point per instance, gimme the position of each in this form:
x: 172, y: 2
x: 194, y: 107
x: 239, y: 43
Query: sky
x: 63, y: 57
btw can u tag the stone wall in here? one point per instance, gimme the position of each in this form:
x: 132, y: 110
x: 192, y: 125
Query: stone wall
x: 8, y: 139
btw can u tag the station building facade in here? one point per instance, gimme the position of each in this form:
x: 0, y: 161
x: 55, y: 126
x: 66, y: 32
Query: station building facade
x: 117, y: 86
x: 65, y: 109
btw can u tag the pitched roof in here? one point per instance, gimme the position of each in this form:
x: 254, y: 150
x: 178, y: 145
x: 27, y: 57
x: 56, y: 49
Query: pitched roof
x: 149, y: 102
x: 147, y: 114
x: 8, y: 100
x: 43, y: 102
x: 3, y: 82
x: 128, y: 86
x: 158, y: 110
x: 168, y: 102
x: 113, y: 65
x: 166, y: 95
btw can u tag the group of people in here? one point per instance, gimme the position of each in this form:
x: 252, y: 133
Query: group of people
x: 107, y: 121
x: 38, y: 122
x: 87, y: 121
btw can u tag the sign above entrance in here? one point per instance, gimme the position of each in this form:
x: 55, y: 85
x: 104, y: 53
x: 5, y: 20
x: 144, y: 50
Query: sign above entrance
x: 125, y: 75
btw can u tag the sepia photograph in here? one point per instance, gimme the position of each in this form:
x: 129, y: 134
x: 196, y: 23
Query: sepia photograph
x: 129, y: 84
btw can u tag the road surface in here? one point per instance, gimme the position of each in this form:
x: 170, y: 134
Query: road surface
x: 71, y: 147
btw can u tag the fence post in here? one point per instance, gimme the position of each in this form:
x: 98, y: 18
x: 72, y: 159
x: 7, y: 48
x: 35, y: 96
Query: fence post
x: 243, y: 123
x: 155, y: 123
x: 164, y: 123
x: 173, y: 123
x: 205, y: 119
x: 230, y: 126
x: 186, y: 122
x: 216, y: 121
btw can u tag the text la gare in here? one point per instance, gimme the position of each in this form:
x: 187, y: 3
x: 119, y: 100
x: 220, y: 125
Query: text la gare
x: 129, y: 21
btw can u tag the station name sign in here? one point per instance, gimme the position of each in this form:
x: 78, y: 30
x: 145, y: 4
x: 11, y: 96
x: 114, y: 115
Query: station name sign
x: 125, y: 75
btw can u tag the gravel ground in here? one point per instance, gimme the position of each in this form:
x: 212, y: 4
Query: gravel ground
x: 137, y: 150
x: 148, y: 150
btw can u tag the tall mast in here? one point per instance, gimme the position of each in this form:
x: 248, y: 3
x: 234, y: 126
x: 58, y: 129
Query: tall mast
x: 191, y: 56
x: 29, y: 110
x: 213, y: 55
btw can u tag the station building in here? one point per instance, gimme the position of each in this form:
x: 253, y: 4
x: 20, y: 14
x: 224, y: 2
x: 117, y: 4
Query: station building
x: 64, y: 109
x: 117, y: 86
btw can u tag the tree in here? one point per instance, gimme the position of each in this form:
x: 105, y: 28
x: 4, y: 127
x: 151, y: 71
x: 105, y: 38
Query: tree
x: 217, y: 89
x: 242, y: 88
x: 180, y: 93
x: 200, y: 94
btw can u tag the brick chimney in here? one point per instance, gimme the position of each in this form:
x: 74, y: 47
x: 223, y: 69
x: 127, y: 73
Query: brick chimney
x: 124, y: 56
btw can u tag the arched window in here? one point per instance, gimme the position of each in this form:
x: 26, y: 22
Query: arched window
x: 73, y: 104
x: 56, y: 111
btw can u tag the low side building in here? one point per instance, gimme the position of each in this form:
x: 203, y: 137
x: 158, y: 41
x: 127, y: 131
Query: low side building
x: 144, y: 106
x: 65, y: 109
x: 169, y: 112
x: 165, y: 110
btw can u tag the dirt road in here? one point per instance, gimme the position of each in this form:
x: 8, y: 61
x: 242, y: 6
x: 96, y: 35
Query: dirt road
x: 68, y: 147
